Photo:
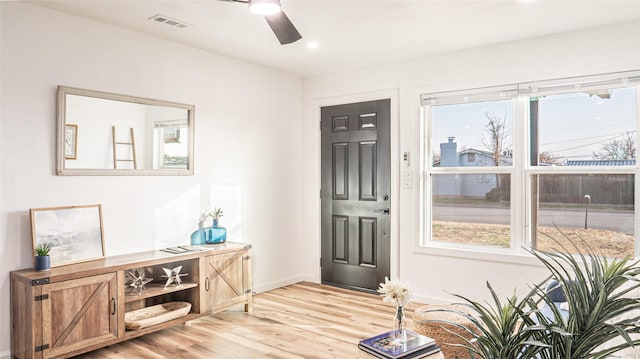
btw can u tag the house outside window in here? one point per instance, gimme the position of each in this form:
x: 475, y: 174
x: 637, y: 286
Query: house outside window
x: 507, y: 165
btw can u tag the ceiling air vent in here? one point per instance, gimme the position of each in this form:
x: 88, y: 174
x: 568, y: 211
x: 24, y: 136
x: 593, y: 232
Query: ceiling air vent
x: 169, y: 21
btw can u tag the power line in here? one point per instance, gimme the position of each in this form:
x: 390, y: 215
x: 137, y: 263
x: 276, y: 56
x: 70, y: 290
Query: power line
x: 590, y: 144
x: 583, y: 139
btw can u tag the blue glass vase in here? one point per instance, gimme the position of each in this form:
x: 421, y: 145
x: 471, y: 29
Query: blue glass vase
x: 209, y: 235
x: 215, y: 234
x: 198, y: 237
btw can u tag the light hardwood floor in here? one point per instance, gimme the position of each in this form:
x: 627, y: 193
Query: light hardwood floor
x: 303, y: 320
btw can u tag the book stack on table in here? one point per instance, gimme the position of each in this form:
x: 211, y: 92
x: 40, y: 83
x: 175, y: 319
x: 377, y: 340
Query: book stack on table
x: 386, y: 347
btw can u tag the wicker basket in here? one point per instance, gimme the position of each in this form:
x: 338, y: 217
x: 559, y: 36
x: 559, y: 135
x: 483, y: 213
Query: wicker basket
x: 146, y: 317
x: 426, y: 322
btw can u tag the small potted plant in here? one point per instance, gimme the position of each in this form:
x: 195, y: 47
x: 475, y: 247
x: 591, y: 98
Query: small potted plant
x: 42, y: 259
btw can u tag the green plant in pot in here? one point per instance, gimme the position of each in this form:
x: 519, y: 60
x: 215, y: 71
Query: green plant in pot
x: 603, y: 315
x: 497, y: 330
x: 601, y: 308
x: 42, y: 260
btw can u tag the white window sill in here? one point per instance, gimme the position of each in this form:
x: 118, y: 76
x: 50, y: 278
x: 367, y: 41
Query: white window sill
x: 477, y: 253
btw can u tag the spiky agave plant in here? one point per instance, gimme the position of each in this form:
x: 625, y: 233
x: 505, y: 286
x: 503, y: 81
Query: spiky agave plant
x: 600, y: 310
x: 498, y: 330
x: 43, y: 249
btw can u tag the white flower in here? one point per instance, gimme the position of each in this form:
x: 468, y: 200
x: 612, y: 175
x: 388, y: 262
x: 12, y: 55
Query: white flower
x: 395, y: 292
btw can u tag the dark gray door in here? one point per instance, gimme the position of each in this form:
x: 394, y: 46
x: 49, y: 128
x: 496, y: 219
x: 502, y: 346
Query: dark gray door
x: 356, y: 189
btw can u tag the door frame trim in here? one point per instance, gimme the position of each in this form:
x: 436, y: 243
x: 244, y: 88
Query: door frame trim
x: 394, y: 143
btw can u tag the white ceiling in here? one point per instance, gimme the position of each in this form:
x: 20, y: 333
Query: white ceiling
x: 353, y: 33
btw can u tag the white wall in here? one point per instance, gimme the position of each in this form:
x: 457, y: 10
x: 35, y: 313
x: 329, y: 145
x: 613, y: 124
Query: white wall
x: 247, y: 134
x: 602, y: 50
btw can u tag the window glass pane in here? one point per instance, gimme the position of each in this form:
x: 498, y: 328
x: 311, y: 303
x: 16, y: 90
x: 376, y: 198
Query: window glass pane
x: 585, y: 129
x: 471, y: 208
x: 472, y: 134
x: 598, y: 209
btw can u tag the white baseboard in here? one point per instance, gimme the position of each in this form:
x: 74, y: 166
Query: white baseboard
x: 282, y: 283
x: 5, y: 355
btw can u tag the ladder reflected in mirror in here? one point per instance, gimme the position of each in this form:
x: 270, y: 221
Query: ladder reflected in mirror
x: 131, y: 148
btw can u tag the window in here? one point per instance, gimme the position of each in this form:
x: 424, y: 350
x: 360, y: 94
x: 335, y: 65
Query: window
x: 509, y: 164
x: 170, y: 147
x: 470, y: 183
x: 573, y: 135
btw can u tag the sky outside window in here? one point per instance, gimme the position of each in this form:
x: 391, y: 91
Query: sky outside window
x: 467, y: 122
x: 574, y: 126
x: 571, y: 126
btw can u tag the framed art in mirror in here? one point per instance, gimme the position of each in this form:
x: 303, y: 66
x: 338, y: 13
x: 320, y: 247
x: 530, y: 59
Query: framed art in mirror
x: 75, y: 233
x: 123, y: 135
x: 70, y: 141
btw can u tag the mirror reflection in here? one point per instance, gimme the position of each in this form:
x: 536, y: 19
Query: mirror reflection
x: 103, y: 133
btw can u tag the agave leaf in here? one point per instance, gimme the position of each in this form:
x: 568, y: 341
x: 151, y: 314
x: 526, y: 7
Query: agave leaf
x: 534, y: 327
x: 597, y: 290
x: 595, y: 299
x: 498, y: 327
x: 536, y: 343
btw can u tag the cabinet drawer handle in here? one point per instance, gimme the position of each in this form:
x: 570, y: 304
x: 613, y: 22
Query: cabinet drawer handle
x: 206, y: 284
x: 113, y: 303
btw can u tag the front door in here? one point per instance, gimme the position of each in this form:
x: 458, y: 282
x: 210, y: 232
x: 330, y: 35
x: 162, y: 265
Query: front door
x: 355, y: 194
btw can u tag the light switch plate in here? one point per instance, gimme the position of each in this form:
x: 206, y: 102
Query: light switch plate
x: 407, y: 179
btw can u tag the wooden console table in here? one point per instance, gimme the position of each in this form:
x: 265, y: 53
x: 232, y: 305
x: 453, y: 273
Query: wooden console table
x: 81, y: 307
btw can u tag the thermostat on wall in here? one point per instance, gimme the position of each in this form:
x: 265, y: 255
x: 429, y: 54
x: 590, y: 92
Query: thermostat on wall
x: 405, y: 159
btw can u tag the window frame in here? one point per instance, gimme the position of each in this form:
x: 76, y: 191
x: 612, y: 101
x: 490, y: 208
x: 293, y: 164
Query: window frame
x: 521, y: 171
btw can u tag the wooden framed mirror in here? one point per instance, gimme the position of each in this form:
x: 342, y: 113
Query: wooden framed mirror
x: 102, y: 133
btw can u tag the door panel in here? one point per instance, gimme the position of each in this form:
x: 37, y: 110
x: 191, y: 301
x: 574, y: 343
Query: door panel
x: 355, y: 193
x: 83, y: 311
x: 226, y: 279
x: 367, y: 171
x: 368, y: 241
x: 341, y: 239
x: 340, y: 171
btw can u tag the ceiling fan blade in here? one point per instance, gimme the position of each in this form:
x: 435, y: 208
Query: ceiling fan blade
x: 283, y: 28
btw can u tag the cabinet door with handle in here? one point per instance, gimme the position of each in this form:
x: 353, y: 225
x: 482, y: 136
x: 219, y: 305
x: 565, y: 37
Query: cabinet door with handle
x: 227, y: 280
x: 79, y: 313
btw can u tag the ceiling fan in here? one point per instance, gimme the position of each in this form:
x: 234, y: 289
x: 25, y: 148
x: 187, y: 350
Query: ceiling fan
x: 280, y: 24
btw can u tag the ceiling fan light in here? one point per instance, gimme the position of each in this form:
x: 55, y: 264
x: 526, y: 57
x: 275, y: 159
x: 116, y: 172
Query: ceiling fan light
x: 265, y: 7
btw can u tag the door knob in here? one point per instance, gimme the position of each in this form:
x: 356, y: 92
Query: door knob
x: 384, y: 210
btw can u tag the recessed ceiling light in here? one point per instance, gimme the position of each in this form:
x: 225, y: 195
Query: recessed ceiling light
x: 265, y: 7
x: 312, y: 45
